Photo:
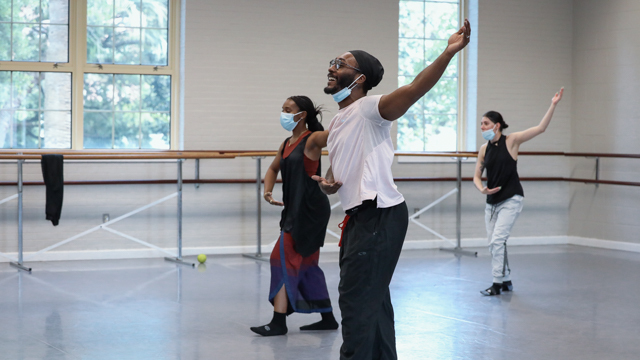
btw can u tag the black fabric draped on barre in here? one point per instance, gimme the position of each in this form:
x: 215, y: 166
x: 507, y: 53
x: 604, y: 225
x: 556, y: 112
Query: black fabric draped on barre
x: 52, y: 173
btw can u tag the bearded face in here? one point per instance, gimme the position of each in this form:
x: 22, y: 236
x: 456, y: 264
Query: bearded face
x: 338, y: 79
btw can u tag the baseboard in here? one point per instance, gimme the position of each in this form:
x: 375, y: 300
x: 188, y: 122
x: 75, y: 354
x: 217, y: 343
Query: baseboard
x: 329, y: 247
x: 604, y: 244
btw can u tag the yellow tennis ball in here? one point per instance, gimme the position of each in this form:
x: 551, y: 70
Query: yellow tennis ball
x: 202, y: 258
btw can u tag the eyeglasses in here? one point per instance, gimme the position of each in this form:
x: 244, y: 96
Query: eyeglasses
x: 338, y: 63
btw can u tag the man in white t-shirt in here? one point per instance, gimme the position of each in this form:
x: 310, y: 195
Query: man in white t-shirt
x: 361, y: 153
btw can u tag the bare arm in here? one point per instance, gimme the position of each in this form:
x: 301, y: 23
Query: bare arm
x: 327, y: 184
x: 270, y: 179
x: 477, y: 175
x: 526, y: 135
x: 396, y: 104
x: 317, y: 140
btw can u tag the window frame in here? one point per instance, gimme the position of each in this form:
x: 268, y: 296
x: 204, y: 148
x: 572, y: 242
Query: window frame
x: 461, y: 116
x: 78, y: 67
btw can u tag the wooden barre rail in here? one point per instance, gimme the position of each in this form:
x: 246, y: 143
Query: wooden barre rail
x: 253, y: 181
x: 91, y: 155
x: 138, y: 156
x: 230, y: 154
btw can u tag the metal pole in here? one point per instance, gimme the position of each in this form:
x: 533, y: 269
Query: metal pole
x: 259, y: 203
x: 20, y: 211
x: 258, y: 254
x: 197, y: 185
x: 179, y: 209
x: 597, y: 170
x: 458, y: 249
x: 179, y: 258
x: 20, y: 248
x: 459, y: 203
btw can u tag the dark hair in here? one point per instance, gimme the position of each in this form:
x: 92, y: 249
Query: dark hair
x: 496, y: 118
x: 305, y: 104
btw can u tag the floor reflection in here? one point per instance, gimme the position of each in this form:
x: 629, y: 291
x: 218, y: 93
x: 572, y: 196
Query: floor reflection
x: 567, y: 304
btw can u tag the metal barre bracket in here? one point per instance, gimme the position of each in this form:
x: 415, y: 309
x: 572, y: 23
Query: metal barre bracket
x: 259, y: 257
x: 20, y: 266
x: 460, y: 251
x: 179, y: 261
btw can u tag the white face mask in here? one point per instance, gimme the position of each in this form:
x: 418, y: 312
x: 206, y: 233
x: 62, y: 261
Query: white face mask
x: 489, y: 134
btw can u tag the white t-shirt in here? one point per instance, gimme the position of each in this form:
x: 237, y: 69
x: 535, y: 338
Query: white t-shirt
x: 361, y: 154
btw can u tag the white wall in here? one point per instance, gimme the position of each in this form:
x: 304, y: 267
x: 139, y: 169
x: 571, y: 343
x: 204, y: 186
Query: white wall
x: 606, y: 117
x: 244, y: 58
x: 258, y: 55
x: 524, y: 57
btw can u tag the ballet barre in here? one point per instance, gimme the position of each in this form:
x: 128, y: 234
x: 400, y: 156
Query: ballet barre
x: 22, y: 157
x: 178, y: 156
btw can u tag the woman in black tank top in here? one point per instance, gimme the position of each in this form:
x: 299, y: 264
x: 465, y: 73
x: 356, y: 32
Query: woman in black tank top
x: 499, y: 156
x: 297, y: 282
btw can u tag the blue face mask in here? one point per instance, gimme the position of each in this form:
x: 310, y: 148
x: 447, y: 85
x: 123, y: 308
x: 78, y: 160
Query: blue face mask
x: 287, y: 122
x: 344, y: 93
x: 489, y: 134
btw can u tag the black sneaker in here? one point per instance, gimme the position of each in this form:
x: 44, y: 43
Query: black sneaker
x: 493, y: 290
x: 507, y: 286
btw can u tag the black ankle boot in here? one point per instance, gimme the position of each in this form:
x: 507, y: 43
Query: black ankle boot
x: 493, y: 290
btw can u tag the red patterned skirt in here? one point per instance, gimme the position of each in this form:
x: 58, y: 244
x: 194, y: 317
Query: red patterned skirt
x: 301, y: 276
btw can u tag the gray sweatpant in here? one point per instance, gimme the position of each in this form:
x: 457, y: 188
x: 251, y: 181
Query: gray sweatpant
x: 499, y: 219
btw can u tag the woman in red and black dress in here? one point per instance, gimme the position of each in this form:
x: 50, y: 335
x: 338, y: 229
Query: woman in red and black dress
x: 297, y: 282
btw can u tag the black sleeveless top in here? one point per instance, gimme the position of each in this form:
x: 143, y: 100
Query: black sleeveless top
x: 502, y: 170
x: 306, y: 208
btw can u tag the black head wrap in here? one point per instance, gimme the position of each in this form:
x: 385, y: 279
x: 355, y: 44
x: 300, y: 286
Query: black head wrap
x: 370, y: 66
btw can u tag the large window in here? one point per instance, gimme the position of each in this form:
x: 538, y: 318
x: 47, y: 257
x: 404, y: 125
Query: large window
x: 127, y: 32
x: 126, y: 111
x: 432, y: 124
x: 34, y: 30
x: 35, y: 110
x: 92, y: 74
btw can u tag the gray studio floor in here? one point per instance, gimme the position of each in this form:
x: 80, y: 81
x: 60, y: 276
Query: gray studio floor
x: 569, y: 303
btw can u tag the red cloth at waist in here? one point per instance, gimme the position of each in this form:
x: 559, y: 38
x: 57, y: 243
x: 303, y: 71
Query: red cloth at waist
x: 342, y: 226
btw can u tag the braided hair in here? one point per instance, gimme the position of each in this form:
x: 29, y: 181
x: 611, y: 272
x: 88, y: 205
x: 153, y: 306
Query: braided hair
x: 305, y: 104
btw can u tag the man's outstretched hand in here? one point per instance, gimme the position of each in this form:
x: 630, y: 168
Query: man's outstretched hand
x: 327, y: 187
x: 460, y: 39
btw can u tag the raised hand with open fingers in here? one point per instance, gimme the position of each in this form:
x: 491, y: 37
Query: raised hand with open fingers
x: 460, y: 39
x: 557, y: 97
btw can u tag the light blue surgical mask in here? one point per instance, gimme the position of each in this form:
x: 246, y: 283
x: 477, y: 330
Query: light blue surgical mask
x: 489, y: 134
x: 344, y: 93
x: 287, y: 122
